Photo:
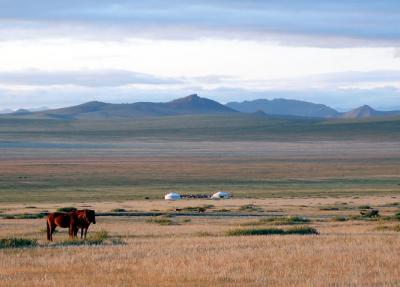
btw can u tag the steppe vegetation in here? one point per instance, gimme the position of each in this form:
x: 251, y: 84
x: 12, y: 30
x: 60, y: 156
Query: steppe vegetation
x: 281, y: 185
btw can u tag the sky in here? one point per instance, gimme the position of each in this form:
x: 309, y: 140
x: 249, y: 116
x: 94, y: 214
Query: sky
x: 342, y: 53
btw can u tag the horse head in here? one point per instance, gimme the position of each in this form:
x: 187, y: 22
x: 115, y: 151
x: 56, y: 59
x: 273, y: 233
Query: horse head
x: 90, y: 216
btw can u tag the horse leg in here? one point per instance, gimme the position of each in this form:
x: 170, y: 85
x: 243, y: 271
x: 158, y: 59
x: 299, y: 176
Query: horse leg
x: 48, y: 230
x: 52, y: 229
x: 86, y: 231
x: 81, y: 232
x: 71, y: 232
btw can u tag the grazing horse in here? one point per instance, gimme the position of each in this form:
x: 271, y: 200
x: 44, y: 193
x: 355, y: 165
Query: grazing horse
x: 64, y: 220
x: 85, y: 218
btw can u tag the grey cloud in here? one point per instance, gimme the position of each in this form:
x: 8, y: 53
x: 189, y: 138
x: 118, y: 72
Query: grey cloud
x: 354, y: 77
x: 98, y: 78
x: 311, y: 22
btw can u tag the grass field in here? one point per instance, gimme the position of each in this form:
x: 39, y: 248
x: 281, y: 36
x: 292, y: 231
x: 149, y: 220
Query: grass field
x: 196, y: 251
x: 282, y: 174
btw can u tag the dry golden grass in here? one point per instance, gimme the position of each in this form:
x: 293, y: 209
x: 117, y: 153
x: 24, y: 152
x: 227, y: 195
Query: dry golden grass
x: 197, y: 253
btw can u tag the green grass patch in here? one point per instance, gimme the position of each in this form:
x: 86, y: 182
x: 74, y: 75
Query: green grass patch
x: 250, y: 208
x: 118, y: 210
x: 301, y: 230
x: 340, y: 218
x: 288, y: 220
x: 395, y: 228
x: 66, y: 209
x: 161, y: 221
x: 96, y: 238
x: 329, y: 208
x: 194, y: 208
x: 14, y: 242
x: 24, y: 216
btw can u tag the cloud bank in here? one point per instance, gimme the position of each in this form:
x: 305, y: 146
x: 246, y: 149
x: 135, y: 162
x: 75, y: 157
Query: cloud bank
x: 297, y: 22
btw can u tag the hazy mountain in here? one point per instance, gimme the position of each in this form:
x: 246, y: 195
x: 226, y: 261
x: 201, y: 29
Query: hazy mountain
x: 190, y: 105
x: 6, y: 111
x: 22, y: 112
x: 367, y: 112
x: 195, y: 105
x: 285, y: 107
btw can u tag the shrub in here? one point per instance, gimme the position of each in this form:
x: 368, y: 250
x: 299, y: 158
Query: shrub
x: 161, y: 221
x: 223, y: 210
x: 395, y: 228
x: 66, y: 209
x: 118, y: 210
x: 117, y: 241
x: 364, y: 207
x: 96, y: 238
x: 24, y: 216
x: 340, y: 218
x: 272, y: 231
x: 30, y: 216
x: 193, y: 209
x: 285, y: 220
x: 329, y: 208
x: 397, y: 215
x: 393, y: 204
x: 14, y: 242
x: 251, y: 208
x: 302, y: 231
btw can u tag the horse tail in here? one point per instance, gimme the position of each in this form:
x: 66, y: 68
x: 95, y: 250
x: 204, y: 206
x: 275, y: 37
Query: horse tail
x: 48, y: 229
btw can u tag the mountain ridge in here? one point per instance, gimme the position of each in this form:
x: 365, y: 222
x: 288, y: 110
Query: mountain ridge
x: 190, y: 105
x: 195, y: 105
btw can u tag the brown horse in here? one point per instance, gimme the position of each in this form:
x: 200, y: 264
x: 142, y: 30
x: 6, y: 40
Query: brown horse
x: 85, y: 218
x: 64, y: 220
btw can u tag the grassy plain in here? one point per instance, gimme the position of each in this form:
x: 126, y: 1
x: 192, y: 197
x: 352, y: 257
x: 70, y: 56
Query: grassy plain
x: 196, y: 250
x: 275, y: 168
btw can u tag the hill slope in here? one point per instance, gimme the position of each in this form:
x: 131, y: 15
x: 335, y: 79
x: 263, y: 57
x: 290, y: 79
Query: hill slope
x: 191, y: 105
x: 367, y: 112
x: 285, y: 107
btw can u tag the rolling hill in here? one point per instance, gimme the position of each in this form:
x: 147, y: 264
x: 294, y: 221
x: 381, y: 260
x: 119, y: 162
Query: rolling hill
x: 285, y: 107
x: 190, y: 105
x: 195, y: 105
x: 367, y: 112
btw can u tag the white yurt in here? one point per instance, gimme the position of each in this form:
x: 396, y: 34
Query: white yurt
x: 220, y: 195
x: 172, y: 196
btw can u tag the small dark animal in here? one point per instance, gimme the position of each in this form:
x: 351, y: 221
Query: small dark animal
x: 63, y: 220
x: 85, y: 218
x: 371, y: 213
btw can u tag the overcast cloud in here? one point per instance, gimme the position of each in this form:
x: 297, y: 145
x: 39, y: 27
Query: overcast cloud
x: 369, y: 21
x: 55, y: 53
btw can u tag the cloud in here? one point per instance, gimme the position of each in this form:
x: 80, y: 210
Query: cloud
x: 85, y: 78
x: 297, y: 22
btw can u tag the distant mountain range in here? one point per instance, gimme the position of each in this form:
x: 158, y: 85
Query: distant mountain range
x: 195, y: 105
x: 190, y: 105
x: 284, y: 107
